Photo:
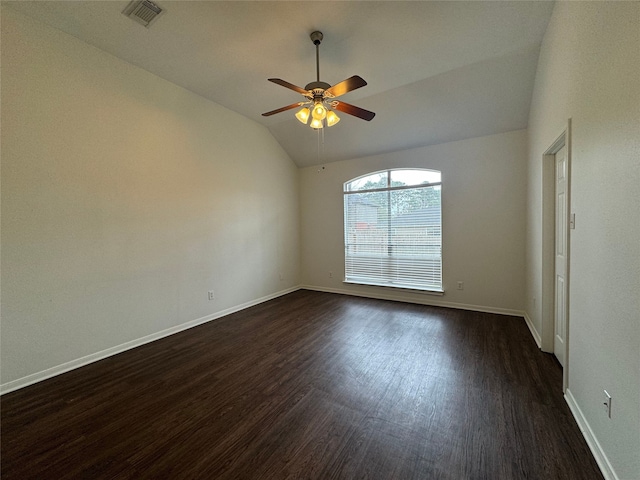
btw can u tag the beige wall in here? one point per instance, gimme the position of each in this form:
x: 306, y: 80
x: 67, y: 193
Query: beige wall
x: 124, y: 200
x: 589, y: 71
x: 483, y: 209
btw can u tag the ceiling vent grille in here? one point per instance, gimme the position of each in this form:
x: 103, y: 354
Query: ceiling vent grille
x: 145, y: 12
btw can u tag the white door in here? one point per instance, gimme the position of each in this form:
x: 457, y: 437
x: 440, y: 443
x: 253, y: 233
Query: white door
x: 560, y: 315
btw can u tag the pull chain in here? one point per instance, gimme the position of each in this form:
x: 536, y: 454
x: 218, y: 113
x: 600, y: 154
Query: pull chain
x: 320, y: 144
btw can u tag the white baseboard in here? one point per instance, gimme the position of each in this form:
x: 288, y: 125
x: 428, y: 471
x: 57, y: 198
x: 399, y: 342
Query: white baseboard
x: 601, y: 459
x: 94, y: 357
x: 534, y: 333
x: 427, y: 300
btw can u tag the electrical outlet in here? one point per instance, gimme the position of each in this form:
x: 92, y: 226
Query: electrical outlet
x: 330, y: 274
x: 460, y: 285
x: 607, y: 403
x: 211, y: 295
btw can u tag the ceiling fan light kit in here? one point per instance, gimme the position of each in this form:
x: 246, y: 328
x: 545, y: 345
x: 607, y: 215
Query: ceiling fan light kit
x: 320, y: 103
x: 332, y: 118
x: 303, y: 115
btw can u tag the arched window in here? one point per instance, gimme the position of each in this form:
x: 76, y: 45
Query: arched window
x: 393, y: 229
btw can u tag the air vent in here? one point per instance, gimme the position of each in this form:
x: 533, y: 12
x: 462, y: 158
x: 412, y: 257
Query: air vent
x: 144, y: 12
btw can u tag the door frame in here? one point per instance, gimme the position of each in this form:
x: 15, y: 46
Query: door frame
x: 548, y: 247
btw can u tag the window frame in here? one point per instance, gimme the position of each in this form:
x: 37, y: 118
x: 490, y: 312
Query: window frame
x: 393, y: 261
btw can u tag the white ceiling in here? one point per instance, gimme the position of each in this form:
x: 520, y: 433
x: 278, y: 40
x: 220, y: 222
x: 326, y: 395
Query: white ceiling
x: 436, y: 71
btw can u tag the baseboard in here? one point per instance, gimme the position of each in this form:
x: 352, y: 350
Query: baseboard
x: 427, y: 300
x: 601, y: 459
x: 94, y: 357
x: 534, y: 333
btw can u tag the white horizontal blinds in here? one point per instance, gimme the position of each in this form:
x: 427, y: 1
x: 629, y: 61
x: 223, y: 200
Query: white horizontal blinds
x: 366, y: 236
x: 393, y: 229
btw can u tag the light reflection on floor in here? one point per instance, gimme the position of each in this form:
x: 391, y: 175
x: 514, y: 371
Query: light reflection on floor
x: 391, y: 351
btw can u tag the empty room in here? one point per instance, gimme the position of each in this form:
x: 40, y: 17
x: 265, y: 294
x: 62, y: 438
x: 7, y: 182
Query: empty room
x: 320, y: 240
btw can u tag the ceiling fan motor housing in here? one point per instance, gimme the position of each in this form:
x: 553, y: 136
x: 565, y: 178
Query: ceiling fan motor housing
x: 317, y: 86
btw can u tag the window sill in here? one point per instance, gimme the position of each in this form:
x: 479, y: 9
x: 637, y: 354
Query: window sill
x: 427, y: 291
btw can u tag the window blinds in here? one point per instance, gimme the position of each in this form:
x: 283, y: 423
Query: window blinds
x: 393, y: 233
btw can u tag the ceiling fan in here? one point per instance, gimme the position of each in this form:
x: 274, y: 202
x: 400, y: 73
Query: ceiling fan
x: 320, y: 103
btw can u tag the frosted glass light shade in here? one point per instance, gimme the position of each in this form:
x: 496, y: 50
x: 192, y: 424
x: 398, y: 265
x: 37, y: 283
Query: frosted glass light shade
x: 319, y: 112
x: 332, y: 118
x: 316, y: 123
x: 303, y: 115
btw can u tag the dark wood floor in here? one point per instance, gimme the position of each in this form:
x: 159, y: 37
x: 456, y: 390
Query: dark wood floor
x: 308, y: 386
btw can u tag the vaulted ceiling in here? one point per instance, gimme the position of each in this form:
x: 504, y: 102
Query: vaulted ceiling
x: 436, y: 71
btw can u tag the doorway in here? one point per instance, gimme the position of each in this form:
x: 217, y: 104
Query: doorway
x: 560, y: 251
x: 556, y: 184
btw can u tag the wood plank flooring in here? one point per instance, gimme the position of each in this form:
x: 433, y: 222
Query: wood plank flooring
x: 307, y: 386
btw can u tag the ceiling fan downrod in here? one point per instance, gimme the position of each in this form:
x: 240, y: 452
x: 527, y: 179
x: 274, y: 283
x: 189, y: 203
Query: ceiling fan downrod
x: 316, y: 38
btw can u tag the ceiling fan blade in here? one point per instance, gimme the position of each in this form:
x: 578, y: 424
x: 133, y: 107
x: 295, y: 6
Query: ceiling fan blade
x: 346, y: 86
x: 286, y: 84
x: 353, y: 110
x: 283, y: 109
